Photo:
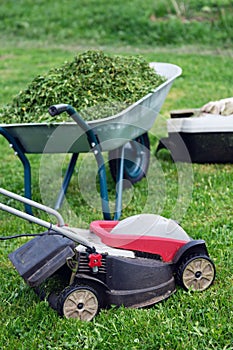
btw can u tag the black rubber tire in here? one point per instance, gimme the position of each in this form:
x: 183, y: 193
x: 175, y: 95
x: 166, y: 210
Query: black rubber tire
x: 196, y: 272
x: 79, y: 301
x: 137, y: 159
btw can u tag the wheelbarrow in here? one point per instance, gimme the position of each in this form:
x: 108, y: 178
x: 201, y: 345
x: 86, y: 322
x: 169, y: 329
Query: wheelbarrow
x: 136, y: 262
x: 124, y: 136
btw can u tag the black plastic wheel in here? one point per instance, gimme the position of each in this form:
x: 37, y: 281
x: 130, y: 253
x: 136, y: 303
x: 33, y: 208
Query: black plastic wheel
x: 82, y: 302
x: 196, y: 272
x: 136, y: 159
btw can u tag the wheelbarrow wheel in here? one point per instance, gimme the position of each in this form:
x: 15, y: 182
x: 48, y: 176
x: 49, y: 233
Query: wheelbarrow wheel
x: 136, y: 159
x: 82, y: 302
x: 196, y: 272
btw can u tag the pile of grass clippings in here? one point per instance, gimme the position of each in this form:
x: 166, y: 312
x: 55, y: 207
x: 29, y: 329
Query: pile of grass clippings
x: 95, y: 84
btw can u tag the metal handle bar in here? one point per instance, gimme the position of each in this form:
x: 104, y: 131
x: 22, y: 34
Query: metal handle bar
x: 74, y: 237
x: 34, y: 204
x: 60, y: 108
x: 94, y: 145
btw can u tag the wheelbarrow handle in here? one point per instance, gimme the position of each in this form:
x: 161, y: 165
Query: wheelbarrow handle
x: 58, y: 109
x: 94, y: 146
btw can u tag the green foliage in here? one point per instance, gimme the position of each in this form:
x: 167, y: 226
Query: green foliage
x: 123, y: 22
x: 95, y: 83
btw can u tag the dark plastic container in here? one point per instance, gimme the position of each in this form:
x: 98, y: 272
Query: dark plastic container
x: 200, y: 139
x: 40, y: 257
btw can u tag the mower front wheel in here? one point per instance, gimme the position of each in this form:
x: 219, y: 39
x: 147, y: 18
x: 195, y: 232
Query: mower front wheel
x: 81, y: 302
x: 196, y: 272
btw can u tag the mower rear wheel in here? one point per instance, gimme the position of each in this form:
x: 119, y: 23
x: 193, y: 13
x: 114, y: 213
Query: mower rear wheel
x: 136, y: 160
x: 196, y: 272
x: 80, y: 302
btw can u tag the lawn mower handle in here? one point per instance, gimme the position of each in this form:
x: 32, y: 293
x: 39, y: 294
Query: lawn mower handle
x: 42, y: 207
x: 60, y: 228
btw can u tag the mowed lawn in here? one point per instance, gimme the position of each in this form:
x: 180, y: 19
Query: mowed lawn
x: 35, y: 38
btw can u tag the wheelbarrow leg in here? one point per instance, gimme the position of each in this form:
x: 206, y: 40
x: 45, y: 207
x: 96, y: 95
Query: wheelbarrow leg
x: 26, y: 165
x: 119, y: 186
x: 66, y: 180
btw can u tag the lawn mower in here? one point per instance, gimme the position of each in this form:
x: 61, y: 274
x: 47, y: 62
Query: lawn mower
x: 134, y: 262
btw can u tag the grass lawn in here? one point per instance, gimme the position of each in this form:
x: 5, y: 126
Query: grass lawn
x: 198, y: 195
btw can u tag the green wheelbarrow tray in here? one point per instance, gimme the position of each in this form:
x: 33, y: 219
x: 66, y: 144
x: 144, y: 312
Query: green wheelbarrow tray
x: 112, y: 131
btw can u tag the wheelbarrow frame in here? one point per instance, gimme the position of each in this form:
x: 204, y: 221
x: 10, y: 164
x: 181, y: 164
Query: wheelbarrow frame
x: 112, y: 133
